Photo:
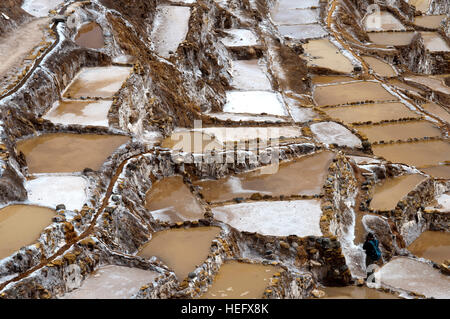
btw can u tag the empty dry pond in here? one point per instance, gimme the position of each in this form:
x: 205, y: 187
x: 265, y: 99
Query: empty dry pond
x: 65, y: 152
x: 21, y: 225
x: 181, y: 249
x: 237, y: 280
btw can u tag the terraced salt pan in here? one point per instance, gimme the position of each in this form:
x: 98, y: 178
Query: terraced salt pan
x: 302, y: 176
x: 433, y: 83
x: 255, y: 102
x: 113, y: 282
x: 351, y: 92
x: 382, y: 21
x: 296, y: 16
x: 283, y: 218
x: 329, y: 79
x: 432, y: 245
x: 302, y: 32
x: 391, y: 38
x: 90, y: 36
x: 352, y: 292
x: 323, y: 53
x: 67, y: 153
x: 101, y: 82
x: 416, y: 153
x: 302, y: 114
x: 370, y: 112
x: 399, y: 131
x: 181, y: 249
x: 379, y: 67
x: 21, y: 225
x: 236, y: 280
x: 40, y: 8
x: 432, y: 21
x: 170, y: 27
x: 421, y: 5
x: 334, y: 133
x: 440, y: 171
x: 437, y: 111
x: 236, y: 117
x: 249, y: 75
x: 282, y: 5
x: 415, y: 276
x: 443, y: 203
x: 391, y: 191
x: 240, y: 38
x: 434, y: 42
x: 170, y: 200
x: 52, y: 190
x: 79, y: 112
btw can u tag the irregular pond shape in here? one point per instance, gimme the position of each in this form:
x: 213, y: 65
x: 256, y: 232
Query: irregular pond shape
x: 40, y: 8
x: 302, y: 176
x: 382, y: 21
x: 334, y: 133
x: 392, y: 190
x: 279, y: 218
x: 380, y: 67
x: 237, y: 280
x: 434, y: 42
x: 21, y: 225
x: 113, y: 282
x: 90, y: 35
x: 432, y: 245
x: 437, y: 111
x: 66, y: 152
x: 325, y: 54
x: 170, y: 200
x: 181, y: 249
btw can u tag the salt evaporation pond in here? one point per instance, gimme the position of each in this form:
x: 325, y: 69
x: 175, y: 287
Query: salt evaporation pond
x: 382, y: 21
x: 431, y: 82
x: 181, y: 249
x: 254, y: 102
x: 100, y: 82
x: 304, y: 16
x: 302, y: 31
x: 249, y: 75
x: 240, y: 38
x: 392, y: 190
x: 399, y: 131
x: 325, y: 54
x: 65, y: 152
x: 351, y: 92
x: 90, y: 35
x: 434, y: 42
x: 40, y: 8
x: 68, y: 112
x: 278, y: 218
x: 171, y: 25
x: 439, y: 171
x: 170, y: 200
x: 415, y: 276
x: 432, y: 21
x: 370, y: 112
x: 421, y: 5
x: 437, y: 111
x: 238, y: 280
x: 113, y: 282
x: 334, y: 133
x: 53, y: 190
x: 432, y: 245
x: 416, y: 153
x: 192, y: 142
x: 391, y: 38
x: 302, y: 176
x: 21, y: 225
x: 380, y: 67
x: 353, y: 292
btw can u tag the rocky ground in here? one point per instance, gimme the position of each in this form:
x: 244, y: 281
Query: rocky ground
x: 271, y: 84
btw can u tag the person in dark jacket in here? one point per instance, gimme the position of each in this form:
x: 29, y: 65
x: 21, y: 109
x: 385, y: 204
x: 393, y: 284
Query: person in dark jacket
x: 373, y: 253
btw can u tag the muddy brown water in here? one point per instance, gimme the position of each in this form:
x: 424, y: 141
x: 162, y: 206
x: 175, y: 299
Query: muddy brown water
x: 432, y: 245
x: 352, y: 292
x: 370, y: 112
x: 392, y: 190
x: 171, y: 200
x: 431, y: 22
x: 181, y: 249
x: 65, y: 152
x: 303, y: 176
x: 391, y: 38
x: 380, y: 67
x: 419, y: 154
x: 325, y: 54
x: 237, y: 280
x: 437, y: 111
x: 420, y: 5
x: 350, y: 93
x: 399, y: 131
x: 439, y: 171
x: 21, y: 225
x: 90, y: 36
x: 328, y: 79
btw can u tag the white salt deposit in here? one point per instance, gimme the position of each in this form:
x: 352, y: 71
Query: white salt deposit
x: 52, y: 190
x: 415, y: 276
x: 80, y: 112
x: 331, y: 132
x: 254, y: 102
x: 292, y: 17
x: 236, y: 117
x: 40, y: 8
x: 240, y: 37
x: 170, y: 27
x: 249, y: 75
x: 282, y: 218
x: 302, y: 32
